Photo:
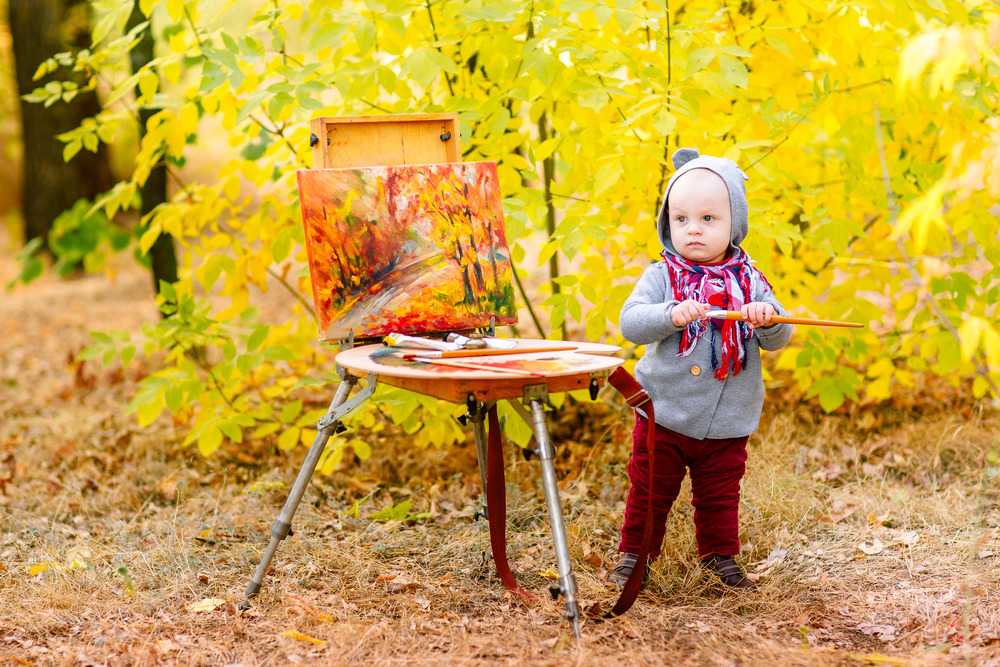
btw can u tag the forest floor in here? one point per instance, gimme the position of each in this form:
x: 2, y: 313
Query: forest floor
x: 874, y: 536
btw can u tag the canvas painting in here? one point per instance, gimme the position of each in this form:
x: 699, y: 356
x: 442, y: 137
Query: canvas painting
x: 412, y: 249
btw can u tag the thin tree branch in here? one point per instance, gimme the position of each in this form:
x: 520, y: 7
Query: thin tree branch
x: 293, y: 291
x: 437, y: 46
x: 197, y: 37
x: 278, y: 131
x: 666, y: 139
x: 524, y: 295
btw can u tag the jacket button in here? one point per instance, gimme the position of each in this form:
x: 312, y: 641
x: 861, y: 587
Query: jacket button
x: 696, y: 370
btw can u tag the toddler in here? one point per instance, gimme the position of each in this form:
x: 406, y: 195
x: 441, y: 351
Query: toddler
x: 703, y: 375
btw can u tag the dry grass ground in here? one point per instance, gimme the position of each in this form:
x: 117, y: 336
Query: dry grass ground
x: 874, y: 544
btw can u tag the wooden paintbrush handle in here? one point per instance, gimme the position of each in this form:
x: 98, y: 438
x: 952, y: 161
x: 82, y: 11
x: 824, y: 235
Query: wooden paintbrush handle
x: 782, y: 319
x: 489, y: 352
x: 476, y: 367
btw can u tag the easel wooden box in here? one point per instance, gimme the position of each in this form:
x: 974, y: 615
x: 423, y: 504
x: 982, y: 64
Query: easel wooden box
x: 432, y: 139
x: 365, y: 141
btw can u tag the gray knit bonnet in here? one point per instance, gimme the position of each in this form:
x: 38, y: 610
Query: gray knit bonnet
x: 686, y: 159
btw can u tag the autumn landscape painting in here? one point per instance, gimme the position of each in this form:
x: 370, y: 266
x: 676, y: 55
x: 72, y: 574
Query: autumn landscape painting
x: 410, y: 249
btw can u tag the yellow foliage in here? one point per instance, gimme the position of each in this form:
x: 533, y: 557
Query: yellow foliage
x: 788, y: 89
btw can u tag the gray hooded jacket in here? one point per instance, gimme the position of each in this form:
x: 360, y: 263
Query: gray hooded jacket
x: 687, y: 397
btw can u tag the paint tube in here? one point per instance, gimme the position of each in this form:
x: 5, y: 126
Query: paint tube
x: 402, y: 340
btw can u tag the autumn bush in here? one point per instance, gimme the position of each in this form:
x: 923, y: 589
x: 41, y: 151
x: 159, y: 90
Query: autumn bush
x: 869, y: 131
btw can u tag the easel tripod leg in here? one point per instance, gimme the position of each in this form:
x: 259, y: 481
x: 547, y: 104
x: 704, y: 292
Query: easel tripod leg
x: 478, y: 418
x: 567, y: 583
x: 283, y: 524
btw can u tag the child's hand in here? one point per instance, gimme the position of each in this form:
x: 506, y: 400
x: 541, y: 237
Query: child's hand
x: 758, y: 313
x: 688, y: 311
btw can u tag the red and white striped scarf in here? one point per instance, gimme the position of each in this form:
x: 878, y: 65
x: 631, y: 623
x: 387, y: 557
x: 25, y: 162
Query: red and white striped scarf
x: 725, y: 286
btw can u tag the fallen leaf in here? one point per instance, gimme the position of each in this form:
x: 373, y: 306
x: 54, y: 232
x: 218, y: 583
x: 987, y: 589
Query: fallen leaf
x: 549, y: 573
x: 875, y: 547
x: 39, y: 568
x: 166, y: 646
x: 776, y: 557
x: 882, y: 631
x: 205, y: 604
x: 880, y: 519
x: 307, y: 607
x: 878, y: 659
x: 302, y: 637
x: 399, y: 582
x: 908, y: 537
x: 841, y: 513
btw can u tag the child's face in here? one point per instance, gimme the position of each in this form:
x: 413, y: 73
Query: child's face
x: 700, y: 225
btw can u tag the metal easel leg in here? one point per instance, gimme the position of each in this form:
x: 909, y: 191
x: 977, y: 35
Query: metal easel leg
x: 478, y: 417
x: 327, y: 426
x: 567, y: 583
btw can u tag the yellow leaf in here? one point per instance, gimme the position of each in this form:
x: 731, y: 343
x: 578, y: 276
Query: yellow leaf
x: 879, y: 389
x: 205, y: 605
x: 991, y: 344
x: 289, y: 438
x: 549, y: 573
x: 176, y: 9
x: 878, y: 659
x: 148, y: 83
x: 146, y: 7
x: 149, y: 237
x: 968, y: 336
x: 881, y: 367
x: 177, y: 43
x: 302, y: 637
x: 39, y: 568
x: 172, y: 71
x: 544, y: 149
x: 979, y: 387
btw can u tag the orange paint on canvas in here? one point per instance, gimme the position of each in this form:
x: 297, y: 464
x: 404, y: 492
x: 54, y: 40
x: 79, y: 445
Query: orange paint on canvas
x: 412, y: 249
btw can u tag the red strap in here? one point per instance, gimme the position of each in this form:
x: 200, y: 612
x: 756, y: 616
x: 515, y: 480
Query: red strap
x: 496, y: 505
x: 636, y: 396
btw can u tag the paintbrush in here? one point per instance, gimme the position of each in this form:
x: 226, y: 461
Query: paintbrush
x: 449, y: 354
x: 781, y: 319
x: 475, y: 367
x: 398, y: 353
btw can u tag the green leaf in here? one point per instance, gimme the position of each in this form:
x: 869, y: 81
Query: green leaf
x: 257, y: 337
x: 231, y: 430
x: 733, y: 71
x: 291, y: 411
x: 830, y: 397
x: 699, y: 59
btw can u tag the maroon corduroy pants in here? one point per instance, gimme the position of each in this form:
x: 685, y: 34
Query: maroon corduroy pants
x: 716, y: 465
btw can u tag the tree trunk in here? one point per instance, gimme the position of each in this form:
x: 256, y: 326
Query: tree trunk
x: 39, y: 29
x: 163, y: 255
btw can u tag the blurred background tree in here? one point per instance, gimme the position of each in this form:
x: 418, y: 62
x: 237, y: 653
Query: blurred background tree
x: 38, y: 29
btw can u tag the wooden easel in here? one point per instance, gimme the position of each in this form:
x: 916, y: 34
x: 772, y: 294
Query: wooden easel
x: 432, y: 139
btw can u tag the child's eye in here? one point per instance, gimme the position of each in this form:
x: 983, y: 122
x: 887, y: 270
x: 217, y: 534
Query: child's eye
x: 707, y: 218
x: 679, y: 218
